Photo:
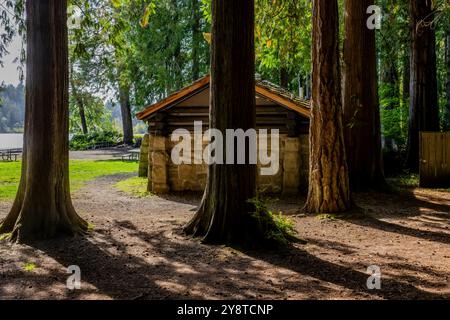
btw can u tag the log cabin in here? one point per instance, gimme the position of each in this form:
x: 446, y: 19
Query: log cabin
x: 276, y: 108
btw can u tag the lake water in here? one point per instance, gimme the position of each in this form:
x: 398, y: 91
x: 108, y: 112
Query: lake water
x: 11, y: 140
x: 14, y: 140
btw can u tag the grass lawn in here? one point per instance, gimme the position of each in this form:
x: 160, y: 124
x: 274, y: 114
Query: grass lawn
x: 135, y: 186
x: 81, y: 171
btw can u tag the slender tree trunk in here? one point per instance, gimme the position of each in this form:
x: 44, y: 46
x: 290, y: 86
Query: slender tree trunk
x: 362, y: 129
x: 329, y: 189
x: 196, y: 38
x: 177, y: 58
x: 424, y: 111
x: 284, y: 78
x: 406, y: 76
x: 446, y: 124
x: 225, y: 214
x: 125, y: 107
x: 80, y: 104
x: 43, y: 207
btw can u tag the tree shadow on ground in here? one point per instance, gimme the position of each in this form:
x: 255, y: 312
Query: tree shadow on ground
x: 124, y: 261
x: 371, y: 222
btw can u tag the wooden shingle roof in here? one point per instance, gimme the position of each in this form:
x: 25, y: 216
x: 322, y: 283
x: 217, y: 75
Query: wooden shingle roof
x: 263, y: 88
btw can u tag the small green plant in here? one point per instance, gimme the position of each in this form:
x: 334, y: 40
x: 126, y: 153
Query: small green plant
x: 29, y: 267
x: 405, y: 180
x: 275, y: 227
x: 91, y: 226
x: 5, y: 236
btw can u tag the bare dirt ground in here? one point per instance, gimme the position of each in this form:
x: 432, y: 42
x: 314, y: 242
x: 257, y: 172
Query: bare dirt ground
x: 137, y: 251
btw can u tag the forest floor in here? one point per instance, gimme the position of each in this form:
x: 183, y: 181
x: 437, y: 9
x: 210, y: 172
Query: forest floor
x: 136, y: 250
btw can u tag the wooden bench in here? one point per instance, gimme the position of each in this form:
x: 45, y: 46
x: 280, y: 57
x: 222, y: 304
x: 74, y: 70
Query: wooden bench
x: 10, y: 154
x: 130, y: 157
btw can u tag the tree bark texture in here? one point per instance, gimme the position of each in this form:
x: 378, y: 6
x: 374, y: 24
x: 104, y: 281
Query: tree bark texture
x: 43, y: 207
x: 125, y: 108
x: 362, y: 129
x: 328, y: 178
x: 225, y: 214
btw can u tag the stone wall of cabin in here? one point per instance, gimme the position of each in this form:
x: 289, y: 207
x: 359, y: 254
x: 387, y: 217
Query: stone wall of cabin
x: 165, y: 177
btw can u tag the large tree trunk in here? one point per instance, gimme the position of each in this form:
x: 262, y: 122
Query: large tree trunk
x: 424, y: 111
x: 362, y: 130
x: 225, y: 214
x: 43, y: 207
x: 329, y: 189
x: 446, y: 124
x: 196, y: 38
x: 125, y: 108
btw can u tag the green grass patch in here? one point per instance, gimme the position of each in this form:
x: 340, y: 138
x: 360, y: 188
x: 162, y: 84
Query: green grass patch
x: 135, y: 186
x: 5, y: 236
x: 29, y: 267
x: 81, y: 171
x: 405, y: 181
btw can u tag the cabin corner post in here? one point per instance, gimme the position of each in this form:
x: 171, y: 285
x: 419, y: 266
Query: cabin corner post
x: 291, y: 166
x: 158, y: 162
x: 144, y: 158
x: 158, y: 158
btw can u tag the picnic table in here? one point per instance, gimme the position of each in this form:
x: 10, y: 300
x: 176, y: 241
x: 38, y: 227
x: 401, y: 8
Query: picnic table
x: 133, y: 155
x: 10, y: 154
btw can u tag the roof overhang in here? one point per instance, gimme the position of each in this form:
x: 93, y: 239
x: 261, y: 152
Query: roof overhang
x: 278, y: 96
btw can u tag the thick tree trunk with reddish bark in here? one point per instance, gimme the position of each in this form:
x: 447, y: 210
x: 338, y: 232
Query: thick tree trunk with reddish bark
x: 362, y: 129
x: 225, y: 214
x: 329, y: 189
x: 424, y: 111
x: 43, y: 207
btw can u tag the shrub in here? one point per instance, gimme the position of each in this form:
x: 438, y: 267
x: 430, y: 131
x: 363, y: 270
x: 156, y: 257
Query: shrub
x: 87, y: 141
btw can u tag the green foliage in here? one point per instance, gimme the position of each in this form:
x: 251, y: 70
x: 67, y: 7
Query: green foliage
x: 5, y: 236
x: 275, y: 227
x: 394, y: 115
x: 135, y: 186
x: 81, y: 172
x: 87, y: 141
x: 29, y: 267
x: 12, y: 109
x: 283, y: 39
x: 405, y: 180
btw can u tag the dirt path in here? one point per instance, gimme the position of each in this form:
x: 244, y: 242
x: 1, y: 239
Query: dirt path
x: 137, y: 251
